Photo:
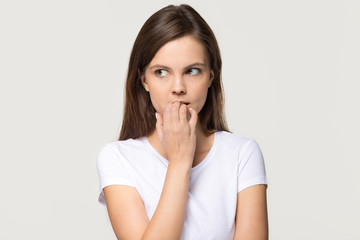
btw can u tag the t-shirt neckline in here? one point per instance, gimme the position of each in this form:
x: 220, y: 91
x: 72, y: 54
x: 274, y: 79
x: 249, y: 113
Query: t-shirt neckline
x: 202, y: 163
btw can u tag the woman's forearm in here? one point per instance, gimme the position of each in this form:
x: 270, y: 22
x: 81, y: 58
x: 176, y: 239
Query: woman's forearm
x: 168, y: 219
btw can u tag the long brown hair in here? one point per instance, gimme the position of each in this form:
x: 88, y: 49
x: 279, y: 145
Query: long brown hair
x: 165, y: 25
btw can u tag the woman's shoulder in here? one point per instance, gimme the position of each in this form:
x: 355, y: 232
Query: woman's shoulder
x: 233, y: 138
x: 245, y: 147
x: 236, y: 142
x: 127, y: 142
x: 124, y: 146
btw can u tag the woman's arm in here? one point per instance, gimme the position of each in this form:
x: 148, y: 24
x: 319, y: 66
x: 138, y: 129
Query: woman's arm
x: 125, y: 206
x: 251, y: 214
x: 168, y: 219
x: 128, y: 215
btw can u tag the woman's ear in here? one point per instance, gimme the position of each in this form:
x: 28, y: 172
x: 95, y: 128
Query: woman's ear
x: 143, y: 81
x: 211, y: 79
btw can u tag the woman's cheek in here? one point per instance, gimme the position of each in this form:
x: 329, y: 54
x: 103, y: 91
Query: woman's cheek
x: 201, y: 103
x: 156, y: 104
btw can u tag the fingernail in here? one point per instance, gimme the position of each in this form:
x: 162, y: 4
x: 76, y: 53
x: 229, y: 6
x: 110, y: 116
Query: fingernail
x: 156, y: 115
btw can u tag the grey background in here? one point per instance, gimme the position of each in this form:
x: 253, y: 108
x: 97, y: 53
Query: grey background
x: 291, y: 77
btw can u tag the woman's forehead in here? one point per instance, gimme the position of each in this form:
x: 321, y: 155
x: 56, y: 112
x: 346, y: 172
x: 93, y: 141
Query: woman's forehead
x: 182, y: 51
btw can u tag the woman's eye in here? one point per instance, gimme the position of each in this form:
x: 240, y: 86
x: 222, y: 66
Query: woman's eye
x: 161, y: 72
x: 193, y: 71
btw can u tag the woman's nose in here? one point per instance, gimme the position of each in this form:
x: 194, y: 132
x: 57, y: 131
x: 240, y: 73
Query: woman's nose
x: 179, y: 86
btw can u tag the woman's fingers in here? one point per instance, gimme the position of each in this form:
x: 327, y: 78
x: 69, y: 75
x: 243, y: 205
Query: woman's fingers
x: 167, y: 114
x: 183, y: 114
x: 175, y: 112
x: 176, y: 129
x: 177, y: 115
x: 193, y: 119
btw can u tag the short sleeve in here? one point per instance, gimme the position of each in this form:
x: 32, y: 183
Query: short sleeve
x: 111, y: 170
x: 251, y: 167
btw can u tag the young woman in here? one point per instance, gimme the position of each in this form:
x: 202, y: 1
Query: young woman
x: 176, y: 171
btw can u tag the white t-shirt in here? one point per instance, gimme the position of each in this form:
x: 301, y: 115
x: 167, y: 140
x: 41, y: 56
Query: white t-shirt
x: 232, y: 164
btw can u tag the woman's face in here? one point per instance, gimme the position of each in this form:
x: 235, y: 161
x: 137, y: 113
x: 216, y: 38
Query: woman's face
x: 179, y: 71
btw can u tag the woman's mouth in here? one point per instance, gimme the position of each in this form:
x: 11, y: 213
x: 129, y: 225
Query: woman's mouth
x: 182, y: 102
x: 186, y: 103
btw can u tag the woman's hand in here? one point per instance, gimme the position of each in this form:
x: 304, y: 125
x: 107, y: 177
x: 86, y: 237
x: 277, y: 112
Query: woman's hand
x: 176, y: 132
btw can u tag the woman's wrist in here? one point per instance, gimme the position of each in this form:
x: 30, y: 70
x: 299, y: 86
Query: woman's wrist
x: 183, y: 162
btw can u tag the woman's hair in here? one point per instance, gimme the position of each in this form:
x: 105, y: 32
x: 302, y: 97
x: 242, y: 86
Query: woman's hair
x: 167, y: 24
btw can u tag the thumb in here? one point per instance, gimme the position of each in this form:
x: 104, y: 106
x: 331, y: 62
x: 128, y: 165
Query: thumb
x: 159, y: 125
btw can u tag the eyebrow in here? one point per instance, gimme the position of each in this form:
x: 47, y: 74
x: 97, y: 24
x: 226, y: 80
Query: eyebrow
x: 189, y: 66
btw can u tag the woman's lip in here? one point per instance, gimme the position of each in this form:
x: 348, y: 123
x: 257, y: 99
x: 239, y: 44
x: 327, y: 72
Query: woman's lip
x: 182, y: 102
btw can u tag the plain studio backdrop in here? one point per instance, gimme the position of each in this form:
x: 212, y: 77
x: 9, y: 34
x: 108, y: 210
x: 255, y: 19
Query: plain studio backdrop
x: 291, y: 78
